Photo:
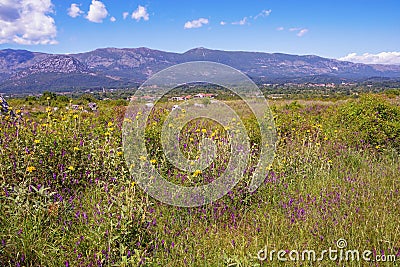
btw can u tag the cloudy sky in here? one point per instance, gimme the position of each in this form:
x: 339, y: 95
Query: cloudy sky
x: 356, y: 30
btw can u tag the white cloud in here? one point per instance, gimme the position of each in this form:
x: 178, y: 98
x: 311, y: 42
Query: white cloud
x: 302, y: 32
x: 97, y: 12
x: 27, y: 22
x: 280, y: 28
x: 263, y: 13
x: 380, y: 58
x: 240, y: 22
x: 222, y: 23
x: 125, y: 15
x: 74, y: 11
x: 113, y: 19
x: 140, y: 13
x: 195, y: 23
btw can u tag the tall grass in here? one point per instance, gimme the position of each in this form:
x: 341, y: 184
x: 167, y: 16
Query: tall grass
x: 67, y: 198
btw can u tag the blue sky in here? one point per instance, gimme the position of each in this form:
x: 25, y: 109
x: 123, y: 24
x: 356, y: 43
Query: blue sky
x: 357, y: 30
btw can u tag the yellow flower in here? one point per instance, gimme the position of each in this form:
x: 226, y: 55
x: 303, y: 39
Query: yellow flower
x: 75, y: 116
x: 191, y: 139
x: 119, y: 153
x: 31, y: 169
x: 203, y: 130
x: 133, y: 184
x: 71, y: 168
x: 76, y: 149
x: 48, y: 109
x: 197, y: 173
x: 48, y: 98
x: 127, y: 120
x: 36, y: 141
x: 143, y: 158
x: 325, y: 138
x: 110, y: 123
x: 153, y: 161
x: 378, y: 146
x: 111, y: 129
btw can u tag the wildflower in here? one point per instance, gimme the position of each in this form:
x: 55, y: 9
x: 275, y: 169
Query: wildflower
x: 48, y: 98
x: 75, y: 116
x: 153, y: 161
x: 378, y: 146
x: 48, y: 109
x: 325, y: 138
x: 71, y: 168
x: 110, y: 123
x: 37, y: 141
x: 76, y: 149
x: 127, y: 120
x: 143, y: 158
x: 133, y: 184
x: 170, y: 125
x: 203, y: 130
x: 197, y: 173
x: 111, y: 129
x: 31, y: 169
x: 119, y: 153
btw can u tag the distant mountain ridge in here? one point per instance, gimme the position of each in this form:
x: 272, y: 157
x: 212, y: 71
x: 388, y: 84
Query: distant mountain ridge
x: 26, y: 71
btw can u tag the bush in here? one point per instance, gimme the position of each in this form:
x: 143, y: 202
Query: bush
x: 370, y: 120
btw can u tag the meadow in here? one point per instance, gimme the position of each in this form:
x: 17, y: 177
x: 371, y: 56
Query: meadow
x: 67, y: 197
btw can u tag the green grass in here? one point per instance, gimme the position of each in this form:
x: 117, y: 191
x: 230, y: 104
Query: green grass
x: 67, y: 198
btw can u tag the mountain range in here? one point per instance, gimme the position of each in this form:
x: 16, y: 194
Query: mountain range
x: 23, y: 71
